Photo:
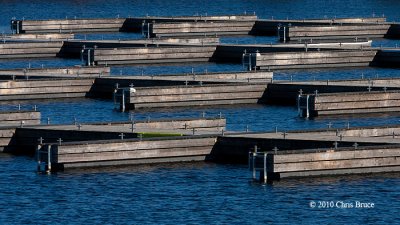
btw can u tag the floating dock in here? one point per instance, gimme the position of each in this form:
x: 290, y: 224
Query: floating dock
x: 19, y: 118
x: 120, y: 56
x: 65, y: 72
x: 193, y: 95
x: 17, y: 90
x: 132, y: 24
x: 337, y: 32
x: 304, y: 163
x: 200, y: 28
x: 310, y: 59
x: 313, y: 105
x: 30, y: 49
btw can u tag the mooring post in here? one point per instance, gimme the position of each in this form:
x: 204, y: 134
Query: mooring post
x: 123, y: 101
x: 59, y: 140
x: 122, y: 136
x: 284, y: 34
x: 265, y: 168
x: 48, y: 159
x: 254, y: 154
x: 38, y: 156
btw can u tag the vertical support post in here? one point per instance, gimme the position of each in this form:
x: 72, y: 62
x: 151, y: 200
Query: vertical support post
x: 148, y: 30
x: 265, y: 167
x: 38, y: 157
x: 88, y: 57
x: 250, y: 62
x: 48, y: 159
x: 298, y: 105
x: 284, y: 34
x: 254, y: 162
x: 308, y: 106
x: 123, y: 101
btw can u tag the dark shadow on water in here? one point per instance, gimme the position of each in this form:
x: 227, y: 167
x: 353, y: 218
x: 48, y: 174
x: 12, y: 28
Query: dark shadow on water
x: 141, y: 168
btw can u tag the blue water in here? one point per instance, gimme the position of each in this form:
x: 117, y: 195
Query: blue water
x: 192, y: 193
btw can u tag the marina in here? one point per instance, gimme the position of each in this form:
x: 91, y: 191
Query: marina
x: 170, y: 112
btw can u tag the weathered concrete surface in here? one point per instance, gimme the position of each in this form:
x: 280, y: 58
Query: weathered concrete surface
x: 200, y: 28
x: 287, y: 92
x: 39, y: 36
x: 235, y: 147
x: 149, y: 55
x: 44, y: 89
x: 134, y: 24
x: 200, y: 95
x: 73, y: 48
x: 270, y: 26
x: 287, y: 33
x: 104, y: 87
x: 312, y: 59
x: 66, y: 72
x: 134, y: 151
x: 234, y: 53
x: 24, y: 49
x: 18, y: 118
x: 349, y: 103
x: 329, y: 161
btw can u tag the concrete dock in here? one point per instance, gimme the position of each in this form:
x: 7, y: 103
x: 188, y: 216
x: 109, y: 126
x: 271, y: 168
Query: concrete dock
x: 195, y: 39
x: 17, y: 90
x: 30, y: 49
x: 132, y: 24
x: 287, y: 92
x: 19, y: 118
x: 65, y: 72
x: 310, y: 59
x: 270, y: 26
x: 337, y: 32
x: 23, y: 138
x: 334, y: 147
x: 304, y: 163
x: 193, y: 95
x: 313, y: 105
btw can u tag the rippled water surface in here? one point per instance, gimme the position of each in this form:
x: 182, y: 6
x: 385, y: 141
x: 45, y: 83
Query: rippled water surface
x: 193, y: 193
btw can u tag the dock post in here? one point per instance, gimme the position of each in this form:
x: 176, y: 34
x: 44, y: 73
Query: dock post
x: 265, y: 168
x: 38, y: 157
x: 307, y: 106
x: 284, y: 34
x: 88, y: 60
x: 254, y: 154
x: 48, y: 159
x: 249, y: 62
x: 123, y: 101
